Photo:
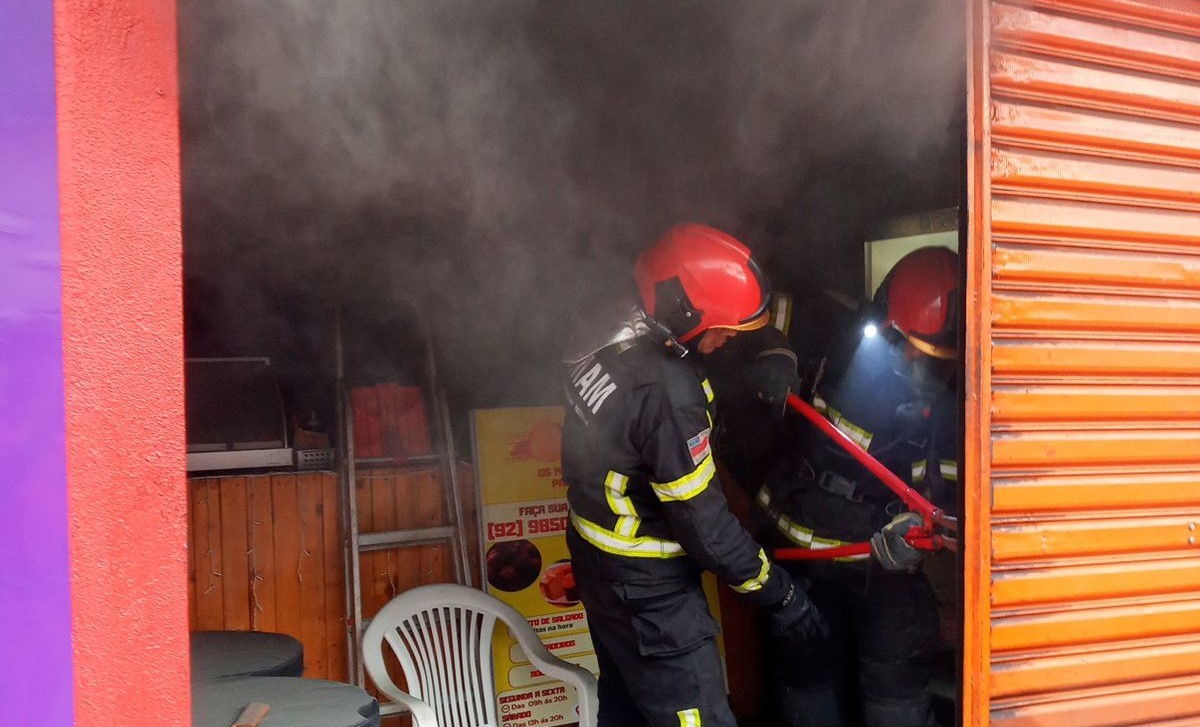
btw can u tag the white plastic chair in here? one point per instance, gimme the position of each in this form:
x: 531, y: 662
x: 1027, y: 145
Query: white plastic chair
x: 442, y: 637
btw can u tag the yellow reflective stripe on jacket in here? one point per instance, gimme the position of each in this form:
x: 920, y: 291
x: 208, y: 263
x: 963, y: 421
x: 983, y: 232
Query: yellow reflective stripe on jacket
x: 708, y: 391
x: 860, y: 436
x: 689, y: 717
x: 757, y: 581
x: 612, y: 542
x: 949, y: 469
x: 791, y: 530
x: 799, y: 534
x: 688, y: 486
x: 621, y: 505
x: 781, y: 311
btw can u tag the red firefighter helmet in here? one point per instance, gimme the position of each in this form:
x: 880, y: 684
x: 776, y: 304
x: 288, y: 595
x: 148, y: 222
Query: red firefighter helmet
x: 919, y: 298
x: 694, y: 278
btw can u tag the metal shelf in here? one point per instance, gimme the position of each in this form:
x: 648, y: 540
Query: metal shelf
x: 414, y: 462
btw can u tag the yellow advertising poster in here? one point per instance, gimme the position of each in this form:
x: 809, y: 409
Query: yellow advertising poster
x: 523, y: 514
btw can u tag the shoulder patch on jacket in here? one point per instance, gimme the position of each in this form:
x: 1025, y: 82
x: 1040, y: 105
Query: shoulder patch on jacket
x: 698, y: 446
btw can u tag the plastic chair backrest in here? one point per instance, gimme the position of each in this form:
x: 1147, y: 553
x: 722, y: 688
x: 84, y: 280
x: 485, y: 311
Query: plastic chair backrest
x: 442, y: 637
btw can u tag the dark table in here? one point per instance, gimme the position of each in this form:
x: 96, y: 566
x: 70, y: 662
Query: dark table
x: 294, y: 702
x: 218, y: 654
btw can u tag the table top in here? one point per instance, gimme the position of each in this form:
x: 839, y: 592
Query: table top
x: 219, y: 654
x: 293, y: 702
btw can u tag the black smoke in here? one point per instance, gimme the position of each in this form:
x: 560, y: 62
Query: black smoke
x: 501, y: 163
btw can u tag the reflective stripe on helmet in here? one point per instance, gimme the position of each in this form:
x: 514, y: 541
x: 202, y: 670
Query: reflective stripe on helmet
x: 612, y: 542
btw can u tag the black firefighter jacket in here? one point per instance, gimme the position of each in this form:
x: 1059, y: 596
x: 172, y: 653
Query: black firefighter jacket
x: 642, y: 485
x: 823, y: 497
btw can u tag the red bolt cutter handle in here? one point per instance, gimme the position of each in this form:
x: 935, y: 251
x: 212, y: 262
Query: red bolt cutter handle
x: 841, y: 551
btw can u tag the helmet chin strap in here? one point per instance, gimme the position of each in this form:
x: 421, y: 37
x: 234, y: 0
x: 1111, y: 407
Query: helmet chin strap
x: 662, y: 335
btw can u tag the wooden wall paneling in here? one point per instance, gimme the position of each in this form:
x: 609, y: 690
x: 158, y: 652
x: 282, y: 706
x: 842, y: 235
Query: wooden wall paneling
x: 366, y: 564
x: 376, y: 514
x: 407, y: 560
x: 286, y: 519
x: 383, y: 510
x: 263, y: 573
x: 418, y: 517
x: 335, y: 602
x: 192, y: 544
x: 436, y: 563
x: 311, y: 574
x: 364, y: 489
x: 195, y: 532
x: 366, y: 524
x: 209, y: 606
x: 266, y: 553
x: 235, y: 564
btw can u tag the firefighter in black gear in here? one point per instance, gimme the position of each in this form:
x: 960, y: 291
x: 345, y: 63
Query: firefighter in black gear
x: 647, y: 513
x: 751, y: 377
x: 889, y: 385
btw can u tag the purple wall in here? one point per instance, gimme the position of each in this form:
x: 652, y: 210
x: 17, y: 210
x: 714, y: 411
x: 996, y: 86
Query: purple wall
x: 36, y: 683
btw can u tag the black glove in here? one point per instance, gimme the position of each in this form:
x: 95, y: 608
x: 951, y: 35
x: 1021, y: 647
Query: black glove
x: 796, y: 619
x: 891, y: 550
x: 773, y: 376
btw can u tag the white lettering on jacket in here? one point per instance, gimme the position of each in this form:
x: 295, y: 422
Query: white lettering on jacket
x: 593, y: 385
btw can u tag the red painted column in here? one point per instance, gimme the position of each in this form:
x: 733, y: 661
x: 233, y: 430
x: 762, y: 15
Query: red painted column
x: 118, y: 141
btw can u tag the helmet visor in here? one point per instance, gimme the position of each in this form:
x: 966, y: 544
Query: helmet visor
x: 932, y: 349
x: 759, y: 320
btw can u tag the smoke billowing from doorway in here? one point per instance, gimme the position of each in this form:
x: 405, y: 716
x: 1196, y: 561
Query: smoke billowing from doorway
x: 502, y: 162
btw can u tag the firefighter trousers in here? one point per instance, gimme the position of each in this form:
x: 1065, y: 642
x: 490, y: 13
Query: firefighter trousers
x: 875, y: 668
x: 656, y: 646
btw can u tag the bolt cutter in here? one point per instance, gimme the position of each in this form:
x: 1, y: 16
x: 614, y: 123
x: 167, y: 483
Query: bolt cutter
x: 933, y: 518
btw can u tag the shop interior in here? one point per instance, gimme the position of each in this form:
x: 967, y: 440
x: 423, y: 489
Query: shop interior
x: 395, y: 214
